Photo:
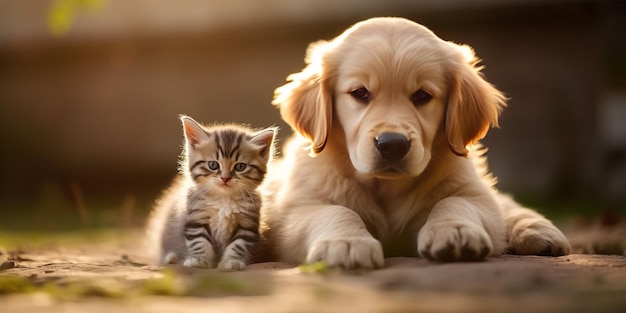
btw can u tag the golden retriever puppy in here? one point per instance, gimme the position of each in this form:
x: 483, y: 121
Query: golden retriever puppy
x: 385, y: 159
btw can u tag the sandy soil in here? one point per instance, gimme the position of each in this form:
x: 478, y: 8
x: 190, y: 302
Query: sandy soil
x: 573, y: 283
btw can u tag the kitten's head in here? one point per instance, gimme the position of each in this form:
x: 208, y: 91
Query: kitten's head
x: 226, y: 159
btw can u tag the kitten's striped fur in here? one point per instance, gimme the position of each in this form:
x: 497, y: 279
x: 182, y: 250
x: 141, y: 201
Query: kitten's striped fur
x: 210, y: 215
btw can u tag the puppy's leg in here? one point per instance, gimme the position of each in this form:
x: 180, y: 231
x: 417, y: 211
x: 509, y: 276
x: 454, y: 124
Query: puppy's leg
x: 529, y: 232
x: 458, y: 229
x: 334, y: 235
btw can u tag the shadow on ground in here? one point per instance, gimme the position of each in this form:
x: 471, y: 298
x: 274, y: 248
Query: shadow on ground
x: 113, y: 275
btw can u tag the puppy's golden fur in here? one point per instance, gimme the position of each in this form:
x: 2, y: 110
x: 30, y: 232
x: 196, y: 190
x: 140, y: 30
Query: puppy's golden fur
x: 335, y: 198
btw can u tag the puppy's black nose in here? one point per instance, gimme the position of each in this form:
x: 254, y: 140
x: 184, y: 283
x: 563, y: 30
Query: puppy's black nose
x: 392, y: 146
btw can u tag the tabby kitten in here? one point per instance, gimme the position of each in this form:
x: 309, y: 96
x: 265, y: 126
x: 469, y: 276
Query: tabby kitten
x: 210, y: 215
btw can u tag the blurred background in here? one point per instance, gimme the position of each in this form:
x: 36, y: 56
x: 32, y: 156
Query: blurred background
x: 90, y: 92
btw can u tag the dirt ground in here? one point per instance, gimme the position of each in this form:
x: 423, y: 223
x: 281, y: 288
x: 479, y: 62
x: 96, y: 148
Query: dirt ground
x: 118, y: 279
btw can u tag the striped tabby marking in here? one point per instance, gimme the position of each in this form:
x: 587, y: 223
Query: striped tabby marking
x: 224, y: 165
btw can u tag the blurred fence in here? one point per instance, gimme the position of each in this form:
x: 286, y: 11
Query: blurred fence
x: 97, y: 107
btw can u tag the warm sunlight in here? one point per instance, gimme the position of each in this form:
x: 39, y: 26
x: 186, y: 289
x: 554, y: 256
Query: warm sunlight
x: 112, y: 118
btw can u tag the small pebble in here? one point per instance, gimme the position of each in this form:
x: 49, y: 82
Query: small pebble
x: 7, y: 265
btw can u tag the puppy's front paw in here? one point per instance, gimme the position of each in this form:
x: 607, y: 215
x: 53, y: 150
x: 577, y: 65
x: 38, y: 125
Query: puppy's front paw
x: 538, y: 236
x: 347, y: 252
x: 197, y: 261
x: 454, y: 241
x: 230, y: 265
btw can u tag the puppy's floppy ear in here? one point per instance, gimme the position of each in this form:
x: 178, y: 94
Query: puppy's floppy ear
x: 473, y: 103
x: 305, y: 101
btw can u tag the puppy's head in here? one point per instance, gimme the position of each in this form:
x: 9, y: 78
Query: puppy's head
x: 394, y: 89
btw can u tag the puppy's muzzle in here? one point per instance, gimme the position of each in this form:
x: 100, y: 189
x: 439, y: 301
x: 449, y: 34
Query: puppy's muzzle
x: 392, y: 146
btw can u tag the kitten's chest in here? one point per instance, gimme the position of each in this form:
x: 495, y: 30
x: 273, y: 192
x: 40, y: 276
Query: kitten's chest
x: 224, y: 220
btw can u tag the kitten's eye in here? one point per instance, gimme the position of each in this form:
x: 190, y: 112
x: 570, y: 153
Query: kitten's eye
x: 421, y: 97
x: 361, y: 94
x: 239, y: 167
x: 213, y: 165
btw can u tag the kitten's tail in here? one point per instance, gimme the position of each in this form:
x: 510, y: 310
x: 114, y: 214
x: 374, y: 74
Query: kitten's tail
x: 158, y: 222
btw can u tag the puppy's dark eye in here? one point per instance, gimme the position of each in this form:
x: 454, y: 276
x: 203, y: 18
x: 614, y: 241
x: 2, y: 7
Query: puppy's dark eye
x: 421, y: 97
x: 361, y: 94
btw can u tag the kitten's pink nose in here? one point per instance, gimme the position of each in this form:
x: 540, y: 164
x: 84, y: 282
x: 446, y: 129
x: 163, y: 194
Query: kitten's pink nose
x: 225, y: 179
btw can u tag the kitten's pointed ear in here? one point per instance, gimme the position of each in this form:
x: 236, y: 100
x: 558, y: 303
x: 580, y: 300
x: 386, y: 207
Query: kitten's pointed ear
x: 194, y: 133
x: 264, y: 139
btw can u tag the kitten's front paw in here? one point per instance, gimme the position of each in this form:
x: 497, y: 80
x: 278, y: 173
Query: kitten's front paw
x: 454, y: 241
x: 347, y: 252
x: 170, y: 258
x: 201, y: 262
x: 538, y: 236
x: 230, y: 265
